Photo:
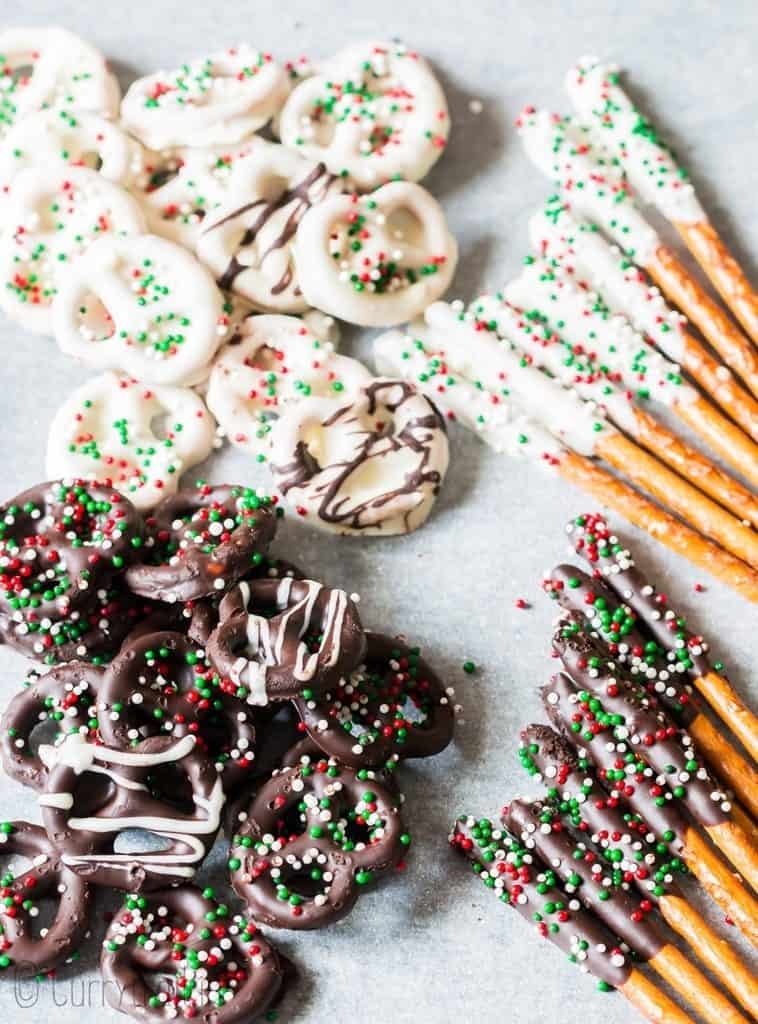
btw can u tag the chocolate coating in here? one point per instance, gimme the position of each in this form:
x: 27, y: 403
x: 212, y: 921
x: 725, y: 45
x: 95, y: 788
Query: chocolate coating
x: 162, y: 786
x: 630, y: 716
x: 623, y: 772
x: 523, y: 881
x: 67, y: 694
x: 285, y: 638
x: 31, y: 952
x: 160, y: 684
x: 60, y: 542
x: 169, y: 933
x: 393, y: 706
x: 314, y: 835
x: 616, y: 625
x: 580, y: 868
x: 201, y: 542
x: 625, y: 838
x: 604, y: 553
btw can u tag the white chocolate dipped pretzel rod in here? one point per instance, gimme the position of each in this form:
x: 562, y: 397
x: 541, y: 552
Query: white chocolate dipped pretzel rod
x: 594, y: 182
x: 559, y: 231
x: 522, y: 365
x: 652, y: 168
x: 464, y: 371
x: 603, y: 345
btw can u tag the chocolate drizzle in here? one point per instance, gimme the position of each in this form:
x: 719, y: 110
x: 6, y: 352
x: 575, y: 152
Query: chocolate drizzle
x: 418, y: 435
x: 306, y: 193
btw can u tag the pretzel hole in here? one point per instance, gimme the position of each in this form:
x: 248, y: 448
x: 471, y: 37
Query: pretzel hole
x: 90, y: 158
x: 404, y: 227
x: 160, y: 425
x: 93, y: 319
x: 21, y: 72
x: 140, y: 840
x: 44, y: 733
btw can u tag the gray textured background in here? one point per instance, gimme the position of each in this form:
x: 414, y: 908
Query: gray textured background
x: 432, y: 946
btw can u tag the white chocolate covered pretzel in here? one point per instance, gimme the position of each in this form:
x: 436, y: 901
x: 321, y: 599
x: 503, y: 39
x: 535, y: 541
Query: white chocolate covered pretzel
x: 142, y: 305
x: 139, y: 437
x: 373, y: 113
x: 50, y: 68
x: 616, y: 124
x: 419, y: 354
x: 269, y: 363
x: 67, y: 138
x: 179, y: 189
x: 370, y: 465
x: 592, y: 180
x: 248, y: 240
x: 608, y: 346
x: 557, y: 233
x: 55, y: 215
x: 375, y: 260
x: 212, y: 100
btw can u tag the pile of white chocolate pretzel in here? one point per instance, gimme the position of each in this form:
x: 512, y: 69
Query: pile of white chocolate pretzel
x: 143, y: 233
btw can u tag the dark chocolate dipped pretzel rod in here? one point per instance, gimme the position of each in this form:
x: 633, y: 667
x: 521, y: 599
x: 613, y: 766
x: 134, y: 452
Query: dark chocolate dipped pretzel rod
x: 663, y: 674
x: 627, y: 776
x: 600, y: 890
x: 608, y: 558
x: 627, y: 715
x: 521, y: 880
x: 626, y: 843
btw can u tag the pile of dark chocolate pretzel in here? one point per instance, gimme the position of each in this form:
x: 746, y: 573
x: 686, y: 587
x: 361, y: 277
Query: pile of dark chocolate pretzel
x: 193, y: 683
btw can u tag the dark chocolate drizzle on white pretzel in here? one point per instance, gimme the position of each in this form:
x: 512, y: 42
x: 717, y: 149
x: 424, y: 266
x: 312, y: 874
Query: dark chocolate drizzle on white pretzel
x: 300, y: 197
x: 417, y: 436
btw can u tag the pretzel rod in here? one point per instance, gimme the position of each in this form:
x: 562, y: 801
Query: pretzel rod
x: 731, y: 444
x: 667, y: 487
x: 685, y: 292
x: 503, y: 423
x: 590, y: 178
x: 732, y: 709
x: 722, y: 268
x: 713, y: 951
x: 530, y: 887
x: 720, y: 884
x: 616, y: 624
x: 559, y: 232
x: 720, y: 384
x: 726, y: 762
x: 605, y: 554
x: 648, y: 1000
x: 666, y: 818
x: 676, y: 536
x: 618, y: 355
x: 629, y: 844
x: 655, y: 174
x: 579, y: 867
